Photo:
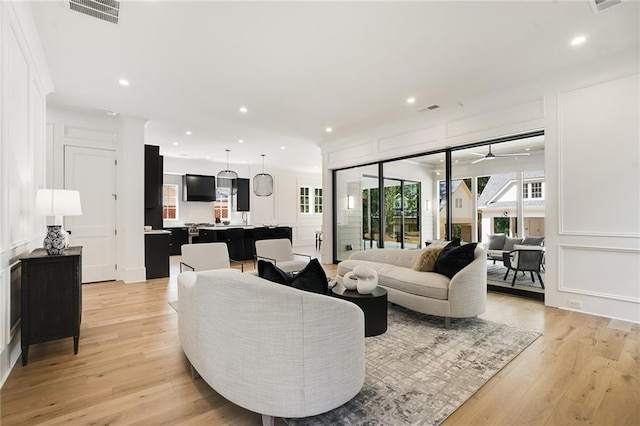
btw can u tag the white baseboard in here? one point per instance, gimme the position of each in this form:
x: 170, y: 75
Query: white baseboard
x: 135, y: 275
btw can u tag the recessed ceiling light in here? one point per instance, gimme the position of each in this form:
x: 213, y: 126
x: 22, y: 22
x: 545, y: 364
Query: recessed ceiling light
x: 207, y: 157
x: 438, y: 173
x: 411, y: 100
x: 328, y: 129
x: 283, y: 147
x: 240, y: 141
x: 578, y: 40
x: 112, y: 113
x: 188, y: 132
x: 243, y: 110
x: 527, y: 149
x: 123, y: 82
x: 175, y: 144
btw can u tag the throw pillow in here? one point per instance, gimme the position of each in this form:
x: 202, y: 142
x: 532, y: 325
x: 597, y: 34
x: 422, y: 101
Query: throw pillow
x: 426, y: 262
x: 271, y: 272
x: 454, y: 258
x: 496, y: 241
x: 510, y: 242
x: 533, y: 241
x: 312, y: 278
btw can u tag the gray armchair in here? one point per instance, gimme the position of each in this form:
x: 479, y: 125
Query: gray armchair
x: 527, y: 259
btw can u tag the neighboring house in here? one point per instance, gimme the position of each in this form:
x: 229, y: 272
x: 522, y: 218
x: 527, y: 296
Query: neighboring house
x: 461, y: 211
x: 499, y: 200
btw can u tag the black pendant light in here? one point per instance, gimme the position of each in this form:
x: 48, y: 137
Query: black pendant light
x: 263, y: 183
x: 226, y: 180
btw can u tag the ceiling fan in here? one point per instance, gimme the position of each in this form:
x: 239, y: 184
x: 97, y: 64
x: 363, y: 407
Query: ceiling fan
x: 490, y: 155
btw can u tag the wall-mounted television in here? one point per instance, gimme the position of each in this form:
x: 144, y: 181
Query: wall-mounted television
x: 198, y: 188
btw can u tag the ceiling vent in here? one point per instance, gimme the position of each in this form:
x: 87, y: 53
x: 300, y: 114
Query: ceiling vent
x: 601, y: 5
x: 429, y: 108
x: 105, y: 10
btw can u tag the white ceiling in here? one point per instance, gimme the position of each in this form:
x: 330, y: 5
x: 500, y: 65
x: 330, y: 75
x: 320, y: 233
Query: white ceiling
x: 301, y: 66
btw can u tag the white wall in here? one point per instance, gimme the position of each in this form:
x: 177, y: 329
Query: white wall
x: 125, y: 136
x: 24, y: 84
x: 591, y: 119
x: 280, y: 208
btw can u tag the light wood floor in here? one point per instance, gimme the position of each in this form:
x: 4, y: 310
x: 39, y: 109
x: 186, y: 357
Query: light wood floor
x: 130, y: 369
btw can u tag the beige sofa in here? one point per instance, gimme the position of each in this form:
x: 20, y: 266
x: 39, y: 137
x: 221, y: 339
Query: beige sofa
x: 272, y: 349
x: 464, y: 295
x: 501, y: 243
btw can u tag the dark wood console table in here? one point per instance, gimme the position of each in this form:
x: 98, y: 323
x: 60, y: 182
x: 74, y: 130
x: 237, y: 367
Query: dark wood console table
x: 51, y: 297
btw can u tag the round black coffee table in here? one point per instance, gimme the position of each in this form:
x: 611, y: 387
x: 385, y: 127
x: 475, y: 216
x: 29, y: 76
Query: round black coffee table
x: 373, y: 305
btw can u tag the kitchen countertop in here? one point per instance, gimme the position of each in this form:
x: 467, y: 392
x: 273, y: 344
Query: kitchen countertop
x: 223, y: 227
x: 157, y: 231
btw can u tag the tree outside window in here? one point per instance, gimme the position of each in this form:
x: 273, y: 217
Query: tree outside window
x: 170, y: 202
x: 317, y: 202
x: 304, y: 199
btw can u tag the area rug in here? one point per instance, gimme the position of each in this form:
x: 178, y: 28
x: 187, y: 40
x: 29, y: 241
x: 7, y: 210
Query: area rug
x: 418, y: 373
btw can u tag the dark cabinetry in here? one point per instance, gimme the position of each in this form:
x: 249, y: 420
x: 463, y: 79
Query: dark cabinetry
x: 51, y: 298
x: 156, y: 254
x: 153, y: 169
x: 242, y: 197
x: 177, y: 238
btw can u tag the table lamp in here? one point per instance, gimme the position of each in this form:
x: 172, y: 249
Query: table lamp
x: 57, y: 203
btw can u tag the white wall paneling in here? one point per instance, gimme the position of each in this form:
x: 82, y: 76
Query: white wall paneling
x: 288, y: 192
x: 345, y: 156
x: 24, y: 84
x: 406, y: 141
x: 507, y: 116
x: 18, y: 167
x: 599, y: 152
x: 608, y: 272
x: 4, y: 318
x: 87, y: 135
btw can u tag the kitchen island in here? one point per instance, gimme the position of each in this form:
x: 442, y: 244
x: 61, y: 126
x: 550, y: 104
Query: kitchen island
x: 239, y: 248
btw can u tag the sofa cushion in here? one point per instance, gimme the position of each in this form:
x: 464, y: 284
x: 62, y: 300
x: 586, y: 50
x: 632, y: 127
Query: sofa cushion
x: 533, y: 241
x: 427, y: 284
x: 510, y: 242
x: 312, y: 278
x: 496, y: 241
x: 426, y: 262
x: 454, y: 258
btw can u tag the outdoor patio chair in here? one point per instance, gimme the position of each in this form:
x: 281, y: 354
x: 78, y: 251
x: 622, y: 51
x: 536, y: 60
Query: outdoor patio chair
x: 528, y: 259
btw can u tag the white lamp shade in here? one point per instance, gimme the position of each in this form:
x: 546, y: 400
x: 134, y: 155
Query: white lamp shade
x: 57, y: 202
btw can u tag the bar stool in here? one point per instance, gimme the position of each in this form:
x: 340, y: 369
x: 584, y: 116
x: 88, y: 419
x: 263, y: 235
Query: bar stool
x: 235, y: 243
x: 261, y: 233
x: 280, y: 232
x: 318, y: 239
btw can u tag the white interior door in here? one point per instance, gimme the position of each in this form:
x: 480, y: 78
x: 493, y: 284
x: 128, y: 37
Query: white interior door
x: 92, y: 172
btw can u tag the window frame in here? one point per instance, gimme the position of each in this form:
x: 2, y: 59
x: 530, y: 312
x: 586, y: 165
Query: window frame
x: 176, y: 206
x: 317, y: 200
x: 304, y: 205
